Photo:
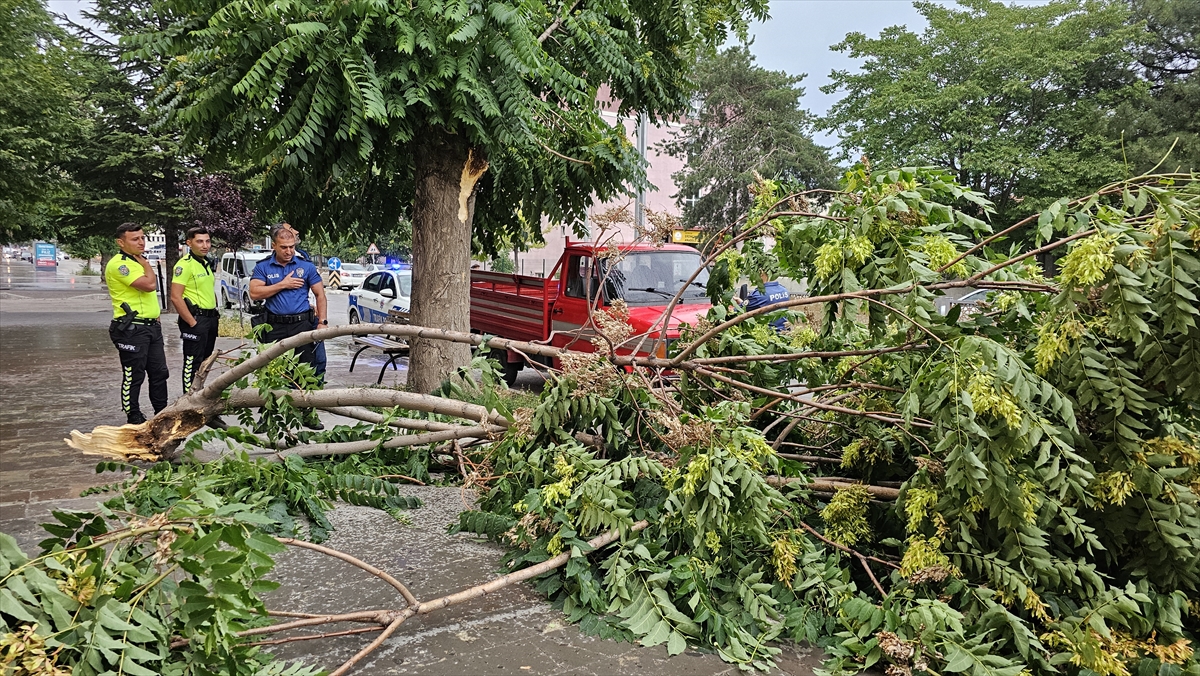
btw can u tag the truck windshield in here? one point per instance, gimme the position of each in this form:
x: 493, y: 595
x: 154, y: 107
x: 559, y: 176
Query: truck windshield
x: 654, y: 277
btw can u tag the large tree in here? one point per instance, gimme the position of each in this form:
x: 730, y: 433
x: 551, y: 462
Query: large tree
x: 39, y: 117
x: 471, y: 112
x: 1016, y: 100
x: 748, y: 122
x: 122, y: 170
x: 1167, y: 119
x: 125, y: 168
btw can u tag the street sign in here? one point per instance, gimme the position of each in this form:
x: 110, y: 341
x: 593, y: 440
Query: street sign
x: 335, y: 279
x: 686, y: 236
x: 334, y: 263
x: 372, y: 250
x: 44, y: 256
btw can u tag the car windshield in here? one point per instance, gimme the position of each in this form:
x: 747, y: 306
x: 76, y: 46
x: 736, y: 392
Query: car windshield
x: 654, y: 277
x: 404, y: 279
x: 249, y: 263
x: 353, y: 267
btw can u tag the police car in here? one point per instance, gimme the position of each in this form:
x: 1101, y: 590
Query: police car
x: 381, y: 292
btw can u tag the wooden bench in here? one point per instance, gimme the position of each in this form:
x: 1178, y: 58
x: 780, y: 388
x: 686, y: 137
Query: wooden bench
x: 394, y: 349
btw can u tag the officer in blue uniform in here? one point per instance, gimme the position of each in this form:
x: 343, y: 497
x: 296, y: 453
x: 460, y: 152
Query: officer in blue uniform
x: 283, y: 281
x: 772, y: 293
x: 318, y: 347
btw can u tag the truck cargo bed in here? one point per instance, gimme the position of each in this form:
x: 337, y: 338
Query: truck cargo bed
x: 512, y: 306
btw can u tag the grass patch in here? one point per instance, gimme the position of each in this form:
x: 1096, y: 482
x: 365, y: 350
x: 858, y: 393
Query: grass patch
x: 233, y: 326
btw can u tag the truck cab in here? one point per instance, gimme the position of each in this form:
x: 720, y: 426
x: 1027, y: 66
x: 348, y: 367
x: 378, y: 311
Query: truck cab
x: 555, y: 310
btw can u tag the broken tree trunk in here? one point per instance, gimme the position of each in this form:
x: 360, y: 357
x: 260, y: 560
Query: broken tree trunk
x: 446, y: 168
x: 159, y: 438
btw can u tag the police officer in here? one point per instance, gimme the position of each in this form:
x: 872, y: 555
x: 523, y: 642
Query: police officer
x: 772, y: 293
x: 194, y: 295
x: 283, y: 280
x: 135, y: 330
x: 319, y: 357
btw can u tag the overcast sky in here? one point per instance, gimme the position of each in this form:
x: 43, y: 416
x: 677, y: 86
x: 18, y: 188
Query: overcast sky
x: 796, y: 38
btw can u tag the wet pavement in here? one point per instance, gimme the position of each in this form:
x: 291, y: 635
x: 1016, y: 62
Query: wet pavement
x: 59, y: 372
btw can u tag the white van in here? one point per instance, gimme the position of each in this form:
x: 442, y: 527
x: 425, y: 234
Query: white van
x: 233, y: 279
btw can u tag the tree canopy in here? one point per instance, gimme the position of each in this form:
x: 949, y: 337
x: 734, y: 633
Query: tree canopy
x: 747, y: 122
x: 1016, y: 100
x: 1167, y: 117
x: 40, y: 117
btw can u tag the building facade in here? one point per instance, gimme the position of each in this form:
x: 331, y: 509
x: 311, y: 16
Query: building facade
x: 661, y: 198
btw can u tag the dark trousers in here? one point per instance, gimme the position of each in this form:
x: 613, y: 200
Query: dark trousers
x: 199, y: 341
x: 319, y: 353
x: 141, y: 349
x: 307, y: 353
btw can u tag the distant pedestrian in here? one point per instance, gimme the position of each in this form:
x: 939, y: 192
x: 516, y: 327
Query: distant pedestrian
x: 135, y: 329
x: 284, y: 281
x: 194, y: 295
x: 772, y: 293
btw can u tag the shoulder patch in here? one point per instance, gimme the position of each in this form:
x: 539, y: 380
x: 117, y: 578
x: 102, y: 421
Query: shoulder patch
x: 178, y: 270
x: 124, y: 270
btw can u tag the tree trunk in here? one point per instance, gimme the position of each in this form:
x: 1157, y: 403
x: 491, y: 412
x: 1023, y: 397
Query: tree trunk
x: 447, y: 168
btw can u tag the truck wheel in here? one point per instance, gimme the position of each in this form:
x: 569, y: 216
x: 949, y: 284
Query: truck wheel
x: 225, y: 299
x: 510, y: 369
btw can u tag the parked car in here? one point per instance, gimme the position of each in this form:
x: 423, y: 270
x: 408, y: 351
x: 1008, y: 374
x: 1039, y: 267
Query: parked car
x: 380, y: 292
x: 970, y: 302
x: 233, y: 279
x: 351, y: 275
x: 555, y: 309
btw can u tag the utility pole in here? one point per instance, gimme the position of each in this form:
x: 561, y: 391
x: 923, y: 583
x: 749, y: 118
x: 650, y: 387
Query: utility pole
x: 639, y: 209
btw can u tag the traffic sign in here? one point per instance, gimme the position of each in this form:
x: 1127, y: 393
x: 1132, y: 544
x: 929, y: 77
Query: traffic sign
x: 334, y: 263
x: 44, y: 255
x: 372, y: 250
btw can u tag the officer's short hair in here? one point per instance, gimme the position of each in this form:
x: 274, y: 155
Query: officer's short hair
x: 198, y: 230
x: 282, y: 232
x: 127, y: 227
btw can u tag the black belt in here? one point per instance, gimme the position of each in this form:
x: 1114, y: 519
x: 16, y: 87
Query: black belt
x: 205, y: 313
x: 143, y: 322
x: 273, y: 318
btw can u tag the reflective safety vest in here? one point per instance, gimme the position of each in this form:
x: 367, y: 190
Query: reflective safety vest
x: 199, y: 282
x: 120, y: 272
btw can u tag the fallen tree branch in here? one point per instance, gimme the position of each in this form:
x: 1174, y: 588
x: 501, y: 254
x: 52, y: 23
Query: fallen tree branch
x: 390, y: 620
x: 367, y: 415
x: 398, y: 441
x: 342, y: 556
x: 814, y: 459
x: 827, y: 486
x: 426, y: 403
x: 873, y: 415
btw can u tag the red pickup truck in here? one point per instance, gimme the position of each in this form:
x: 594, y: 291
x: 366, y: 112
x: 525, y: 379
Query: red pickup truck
x: 554, y: 309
